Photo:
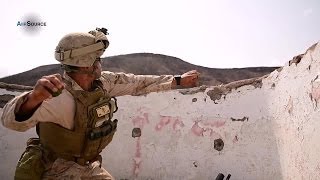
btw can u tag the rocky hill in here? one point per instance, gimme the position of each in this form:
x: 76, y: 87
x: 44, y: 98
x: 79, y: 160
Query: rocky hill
x: 151, y: 64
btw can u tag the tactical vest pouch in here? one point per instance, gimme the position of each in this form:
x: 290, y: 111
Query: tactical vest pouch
x: 106, y: 140
x: 64, y: 143
x: 31, y: 165
x: 99, y: 138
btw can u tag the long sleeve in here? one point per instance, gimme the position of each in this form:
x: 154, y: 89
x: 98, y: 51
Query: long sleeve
x: 61, y: 109
x: 8, y: 118
x: 119, y: 84
x: 58, y: 110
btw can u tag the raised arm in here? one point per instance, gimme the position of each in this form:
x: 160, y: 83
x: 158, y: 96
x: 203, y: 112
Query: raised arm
x: 119, y: 84
x: 45, y: 88
x: 18, y: 112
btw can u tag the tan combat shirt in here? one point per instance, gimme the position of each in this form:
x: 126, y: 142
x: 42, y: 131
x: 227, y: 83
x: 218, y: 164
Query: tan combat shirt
x: 61, y: 109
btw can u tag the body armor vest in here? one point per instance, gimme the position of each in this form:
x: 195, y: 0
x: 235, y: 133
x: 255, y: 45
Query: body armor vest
x: 93, y: 128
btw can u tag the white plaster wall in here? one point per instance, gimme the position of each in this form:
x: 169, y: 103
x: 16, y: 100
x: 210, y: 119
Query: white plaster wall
x: 278, y: 138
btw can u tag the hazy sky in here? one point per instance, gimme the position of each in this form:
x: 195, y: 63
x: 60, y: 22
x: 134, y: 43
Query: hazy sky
x: 211, y: 33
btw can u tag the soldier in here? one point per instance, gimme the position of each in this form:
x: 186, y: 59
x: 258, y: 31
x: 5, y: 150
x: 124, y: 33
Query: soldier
x: 73, y: 113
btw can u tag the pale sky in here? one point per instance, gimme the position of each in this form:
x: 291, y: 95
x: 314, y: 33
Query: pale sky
x: 210, y: 33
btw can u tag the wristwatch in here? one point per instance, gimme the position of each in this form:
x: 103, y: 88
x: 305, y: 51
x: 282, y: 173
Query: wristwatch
x: 177, y: 78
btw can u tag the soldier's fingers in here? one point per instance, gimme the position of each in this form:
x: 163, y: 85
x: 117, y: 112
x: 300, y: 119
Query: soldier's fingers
x: 40, y: 91
x: 60, y: 78
x: 48, y: 85
x: 47, y: 92
x: 55, y: 81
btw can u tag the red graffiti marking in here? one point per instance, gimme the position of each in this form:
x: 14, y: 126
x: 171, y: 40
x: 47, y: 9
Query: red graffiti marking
x: 177, y: 125
x: 139, y: 121
x: 196, y: 130
x: 137, y: 158
x: 165, y: 120
x: 208, y: 132
x: 217, y: 123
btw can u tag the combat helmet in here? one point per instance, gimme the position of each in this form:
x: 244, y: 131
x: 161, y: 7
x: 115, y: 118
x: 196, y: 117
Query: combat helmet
x: 81, y: 49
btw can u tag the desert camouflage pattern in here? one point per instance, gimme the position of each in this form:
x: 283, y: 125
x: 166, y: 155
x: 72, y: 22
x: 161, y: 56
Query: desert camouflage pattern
x: 76, y: 41
x: 69, y: 170
x: 61, y: 109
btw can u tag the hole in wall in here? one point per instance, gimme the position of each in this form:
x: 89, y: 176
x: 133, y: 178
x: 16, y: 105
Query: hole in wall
x: 136, y: 132
x: 218, y: 144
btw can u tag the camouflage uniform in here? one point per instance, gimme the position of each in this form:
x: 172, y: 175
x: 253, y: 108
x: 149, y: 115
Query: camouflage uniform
x: 61, y: 109
x: 80, y: 50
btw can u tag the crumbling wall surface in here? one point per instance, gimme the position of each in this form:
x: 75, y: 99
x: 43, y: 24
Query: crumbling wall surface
x: 262, y: 128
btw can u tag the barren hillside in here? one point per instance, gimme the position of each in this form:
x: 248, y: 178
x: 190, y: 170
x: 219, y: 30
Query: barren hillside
x: 148, y: 63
